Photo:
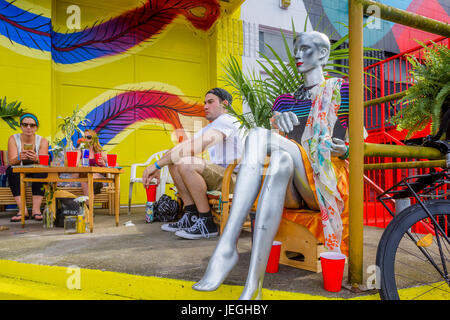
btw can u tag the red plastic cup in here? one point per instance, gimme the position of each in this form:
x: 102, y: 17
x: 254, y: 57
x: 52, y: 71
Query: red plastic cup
x: 332, y: 270
x: 151, y: 192
x: 274, y: 258
x: 72, y: 158
x: 43, y: 159
x: 112, y: 160
x: 97, y: 156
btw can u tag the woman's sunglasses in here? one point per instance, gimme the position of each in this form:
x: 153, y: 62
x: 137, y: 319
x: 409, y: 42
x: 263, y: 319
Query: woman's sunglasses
x: 89, y: 137
x: 29, y: 125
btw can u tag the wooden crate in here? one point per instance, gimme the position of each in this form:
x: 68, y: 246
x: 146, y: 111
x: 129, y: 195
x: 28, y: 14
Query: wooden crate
x: 299, y: 248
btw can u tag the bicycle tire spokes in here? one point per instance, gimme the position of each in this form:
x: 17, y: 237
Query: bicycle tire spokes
x: 436, y: 225
x: 443, y: 272
x: 413, y: 261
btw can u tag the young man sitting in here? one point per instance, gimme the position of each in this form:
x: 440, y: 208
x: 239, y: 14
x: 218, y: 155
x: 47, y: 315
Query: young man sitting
x: 193, y: 176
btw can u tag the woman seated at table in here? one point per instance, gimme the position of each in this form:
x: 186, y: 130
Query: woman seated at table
x: 92, y: 142
x: 24, y: 149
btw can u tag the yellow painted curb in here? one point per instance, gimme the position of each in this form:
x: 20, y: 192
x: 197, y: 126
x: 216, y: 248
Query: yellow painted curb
x: 61, y: 283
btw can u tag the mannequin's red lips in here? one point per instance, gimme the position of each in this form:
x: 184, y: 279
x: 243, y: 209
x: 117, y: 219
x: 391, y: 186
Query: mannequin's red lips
x: 299, y: 64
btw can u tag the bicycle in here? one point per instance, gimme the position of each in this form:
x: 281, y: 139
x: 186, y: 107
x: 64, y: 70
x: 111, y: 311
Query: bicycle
x: 413, y: 255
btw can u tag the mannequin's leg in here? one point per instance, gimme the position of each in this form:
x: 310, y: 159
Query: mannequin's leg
x: 259, y: 143
x: 268, y: 217
x: 249, y: 179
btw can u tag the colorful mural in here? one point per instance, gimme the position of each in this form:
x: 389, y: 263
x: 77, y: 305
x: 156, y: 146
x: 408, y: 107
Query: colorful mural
x: 138, y: 69
x: 114, y: 115
x: 386, y: 35
x: 115, y: 36
x: 101, y: 39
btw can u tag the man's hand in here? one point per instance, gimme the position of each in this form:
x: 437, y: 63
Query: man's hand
x: 150, y: 173
x: 285, y: 121
x: 338, y: 148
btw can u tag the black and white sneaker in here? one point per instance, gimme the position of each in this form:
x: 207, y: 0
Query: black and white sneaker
x: 203, y: 228
x: 186, y: 221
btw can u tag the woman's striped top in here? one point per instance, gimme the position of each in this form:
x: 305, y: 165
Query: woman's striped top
x: 301, y: 108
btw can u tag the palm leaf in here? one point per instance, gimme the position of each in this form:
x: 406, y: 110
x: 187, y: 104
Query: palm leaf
x: 10, y: 111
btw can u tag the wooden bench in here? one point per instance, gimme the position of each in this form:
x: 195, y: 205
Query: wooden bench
x: 105, y: 197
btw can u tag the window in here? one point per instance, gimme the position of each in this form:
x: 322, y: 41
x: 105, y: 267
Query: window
x: 272, y: 37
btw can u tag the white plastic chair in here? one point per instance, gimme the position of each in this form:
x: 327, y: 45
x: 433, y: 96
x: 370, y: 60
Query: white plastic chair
x: 164, y: 177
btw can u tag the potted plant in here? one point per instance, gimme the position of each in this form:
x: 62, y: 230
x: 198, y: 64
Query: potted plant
x: 70, y: 125
x: 429, y: 97
x: 57, y: 150
x: 10, y: 111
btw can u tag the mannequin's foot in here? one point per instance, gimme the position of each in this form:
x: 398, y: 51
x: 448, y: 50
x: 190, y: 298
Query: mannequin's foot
x: 218, y: 268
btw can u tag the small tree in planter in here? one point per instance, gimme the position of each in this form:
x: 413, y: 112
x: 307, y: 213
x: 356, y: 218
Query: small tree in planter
x: 57, y: 149
x: 429, y: 97
x: 70, y: 125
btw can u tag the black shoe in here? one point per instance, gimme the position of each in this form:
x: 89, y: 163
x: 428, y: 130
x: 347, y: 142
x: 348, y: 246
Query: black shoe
x: 203, y: 228
x: 186, y: 221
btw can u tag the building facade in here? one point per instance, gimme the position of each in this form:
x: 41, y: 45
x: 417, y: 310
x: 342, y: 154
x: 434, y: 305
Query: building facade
x: 139, y: 69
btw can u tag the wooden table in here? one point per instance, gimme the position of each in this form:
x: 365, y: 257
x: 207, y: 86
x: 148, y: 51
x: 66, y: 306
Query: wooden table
x: 88, y: 173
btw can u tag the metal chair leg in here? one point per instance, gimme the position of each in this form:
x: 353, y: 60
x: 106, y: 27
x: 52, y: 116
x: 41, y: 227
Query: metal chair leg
x: 129, y: 198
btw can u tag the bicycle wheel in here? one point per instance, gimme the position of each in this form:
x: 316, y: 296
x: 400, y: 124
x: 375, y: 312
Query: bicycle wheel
x: 405, y: 270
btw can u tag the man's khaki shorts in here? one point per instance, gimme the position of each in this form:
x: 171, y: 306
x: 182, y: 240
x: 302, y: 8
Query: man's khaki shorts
x: 213, y: 175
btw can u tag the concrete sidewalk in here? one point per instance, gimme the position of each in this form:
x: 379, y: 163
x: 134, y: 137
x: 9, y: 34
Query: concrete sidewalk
x: 145, y: 250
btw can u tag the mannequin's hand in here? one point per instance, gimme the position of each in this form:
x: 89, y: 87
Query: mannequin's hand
x: 285, y: 121
x: 338, y: 148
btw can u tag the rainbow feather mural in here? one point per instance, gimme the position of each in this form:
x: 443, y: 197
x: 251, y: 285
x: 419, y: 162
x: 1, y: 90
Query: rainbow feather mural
x: 102, y: 39
x: 25, y: 28
x: 114, y: 115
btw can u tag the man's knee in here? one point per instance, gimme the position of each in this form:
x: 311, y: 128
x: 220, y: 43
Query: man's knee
x: 189, y: 164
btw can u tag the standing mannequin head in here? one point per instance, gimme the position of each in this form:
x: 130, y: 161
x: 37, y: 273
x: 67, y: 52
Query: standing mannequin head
x: 311, y: 52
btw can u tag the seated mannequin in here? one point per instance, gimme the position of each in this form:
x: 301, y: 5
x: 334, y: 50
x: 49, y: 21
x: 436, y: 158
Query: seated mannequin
x: 316, y: 124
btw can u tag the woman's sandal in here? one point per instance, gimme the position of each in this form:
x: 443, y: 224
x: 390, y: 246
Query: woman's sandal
x: 37, y: 217
x: 19, y: 218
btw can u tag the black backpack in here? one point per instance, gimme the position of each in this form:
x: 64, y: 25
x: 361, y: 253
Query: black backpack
x: 165, y: 209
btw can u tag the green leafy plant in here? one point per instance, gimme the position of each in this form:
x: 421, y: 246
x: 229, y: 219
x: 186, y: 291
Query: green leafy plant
x: 70, y: 125
x: 424, y: 100
x: 57, y: 148
x: 253, y: 91
x: 10, y: 111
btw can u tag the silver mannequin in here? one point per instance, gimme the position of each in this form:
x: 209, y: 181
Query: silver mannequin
x: 285, y: 185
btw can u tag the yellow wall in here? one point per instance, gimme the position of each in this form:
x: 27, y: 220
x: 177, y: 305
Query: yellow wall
x: 181, y: 60
x: 26, y: 77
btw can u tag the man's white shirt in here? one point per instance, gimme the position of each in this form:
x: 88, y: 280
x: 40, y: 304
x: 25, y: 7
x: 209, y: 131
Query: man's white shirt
x: 226, y: 151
